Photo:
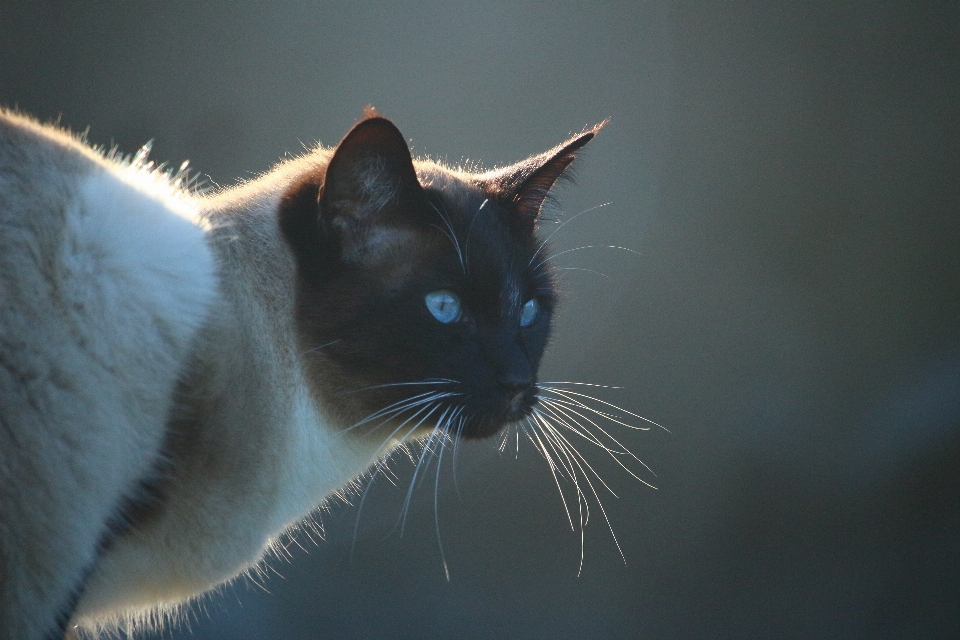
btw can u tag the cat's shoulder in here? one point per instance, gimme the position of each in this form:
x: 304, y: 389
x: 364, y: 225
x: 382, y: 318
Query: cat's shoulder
x: 30, y: 149
x: 106, y: 233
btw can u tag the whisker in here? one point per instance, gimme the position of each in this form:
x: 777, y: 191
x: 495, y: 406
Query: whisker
x: 503, y: 441
x: 565, y: 398
x: 567, y: 392
x: 573, y: 405
x: 583, y: 505
x: 322, y: 346
x: 570, y: 219
x: 363, y: 498
x: 581, y: 384
x: 466, y: 243
x: 406, y: 505
x: 554, y: 410
x: 436, y: 514
x: 566, y: 468
x: 399, y: 384
x: 568, y: 403
x: 438, y: 429
x: 400, y: 406
x: 584, y: 433
x: 452, y: 236
x: 436, y: 410
x: 599, y: 273
x: 558, y: 405
x: 386, y: 443
x: 461, y: 423
x: 382, y: 464
x: 586, y: 246
x: 551, y: 434
x: 578, y: 457
x: 539, y: 446
x: 587, y: 435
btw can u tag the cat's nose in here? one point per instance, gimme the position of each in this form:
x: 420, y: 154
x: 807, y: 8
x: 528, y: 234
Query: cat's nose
x: 516, y: 374
x: 516, y: 382
x: 516, y: 391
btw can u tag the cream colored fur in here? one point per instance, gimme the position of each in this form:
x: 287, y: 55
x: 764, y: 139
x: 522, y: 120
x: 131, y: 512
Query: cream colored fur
x: 114, y: 286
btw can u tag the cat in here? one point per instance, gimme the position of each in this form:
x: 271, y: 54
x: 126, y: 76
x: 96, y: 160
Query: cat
x: 185, y: 376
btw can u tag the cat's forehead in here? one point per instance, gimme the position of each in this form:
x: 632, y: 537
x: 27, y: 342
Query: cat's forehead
x: 459, y: 189
x: 481, y: 254
x: 459, y: 237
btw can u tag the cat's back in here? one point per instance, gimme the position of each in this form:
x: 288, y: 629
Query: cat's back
x: 105, y: 278
x: 97, y: 255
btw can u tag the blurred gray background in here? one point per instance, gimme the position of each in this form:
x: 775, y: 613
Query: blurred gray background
x: 790, y: 177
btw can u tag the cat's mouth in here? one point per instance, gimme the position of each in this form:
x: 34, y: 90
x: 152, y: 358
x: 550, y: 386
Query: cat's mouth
x: 515, y: 408
x: 519, y: 406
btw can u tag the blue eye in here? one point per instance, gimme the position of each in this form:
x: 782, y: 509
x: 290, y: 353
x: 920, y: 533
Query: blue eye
x: 528, y: 313
x: 444, y: 305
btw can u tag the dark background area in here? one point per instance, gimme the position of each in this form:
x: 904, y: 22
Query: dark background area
x: 790, y: 177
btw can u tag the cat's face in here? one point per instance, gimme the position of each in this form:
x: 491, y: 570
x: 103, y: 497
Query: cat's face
x: 423, y: 298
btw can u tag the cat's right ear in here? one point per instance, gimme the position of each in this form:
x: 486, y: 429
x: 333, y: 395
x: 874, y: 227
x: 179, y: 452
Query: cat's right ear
x: 524, y: 187
x: 369, y: 183
x: 370, y: 175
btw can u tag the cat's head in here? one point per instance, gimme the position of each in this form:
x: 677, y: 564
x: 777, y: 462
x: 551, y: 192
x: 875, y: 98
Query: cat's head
x: 423, y: 299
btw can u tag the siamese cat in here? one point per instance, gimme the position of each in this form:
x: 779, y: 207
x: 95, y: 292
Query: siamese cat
x: 185, y: 376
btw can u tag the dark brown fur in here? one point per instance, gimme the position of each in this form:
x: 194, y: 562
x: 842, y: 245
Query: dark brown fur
x: 375, y: 233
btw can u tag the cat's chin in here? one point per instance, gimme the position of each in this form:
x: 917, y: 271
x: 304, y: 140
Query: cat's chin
x: 480, y: 429
x: 483, y: 429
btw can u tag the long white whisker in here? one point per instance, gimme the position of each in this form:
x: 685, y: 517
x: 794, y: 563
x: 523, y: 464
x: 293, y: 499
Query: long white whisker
x: 452, y: 235
x: 504, y: 436
x: 455, y: 436
x: 559, y: 405
x: 609, y: 404
x: 436, y: 513
x: 363, y: 498
x: 584, y: 433
x: 461, y: 423
x: 568, y: 422
x: 406, y: 505
x: 466, y: 243
x: 386, y: 443
x: 382, y: 464
x: 586, y: 246
x: 577, y: 459
x: 573, y: 402
x: 394, y: 409
x: 416, y: 471
x: 539, y: 446
x: 399, y: 384
x: 546, y: 428
x: 571, y: 407
x: 583, y: 505
x: 599, y: 273
x: 579, y: 384
x: 560, y: 413
x: 322, y: 346
x: 570, y: 219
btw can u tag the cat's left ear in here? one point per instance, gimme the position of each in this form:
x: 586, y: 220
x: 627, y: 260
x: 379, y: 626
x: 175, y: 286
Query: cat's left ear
x: 524, y: 187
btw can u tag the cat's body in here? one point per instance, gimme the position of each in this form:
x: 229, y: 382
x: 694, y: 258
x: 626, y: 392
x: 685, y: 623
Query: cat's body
x: 183, y: 378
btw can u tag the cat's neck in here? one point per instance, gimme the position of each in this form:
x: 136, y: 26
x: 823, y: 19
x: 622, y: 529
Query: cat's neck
x: 252, y: 449
x: 254, y: 396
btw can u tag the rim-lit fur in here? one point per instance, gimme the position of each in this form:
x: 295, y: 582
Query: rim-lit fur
x: 174, y: 393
